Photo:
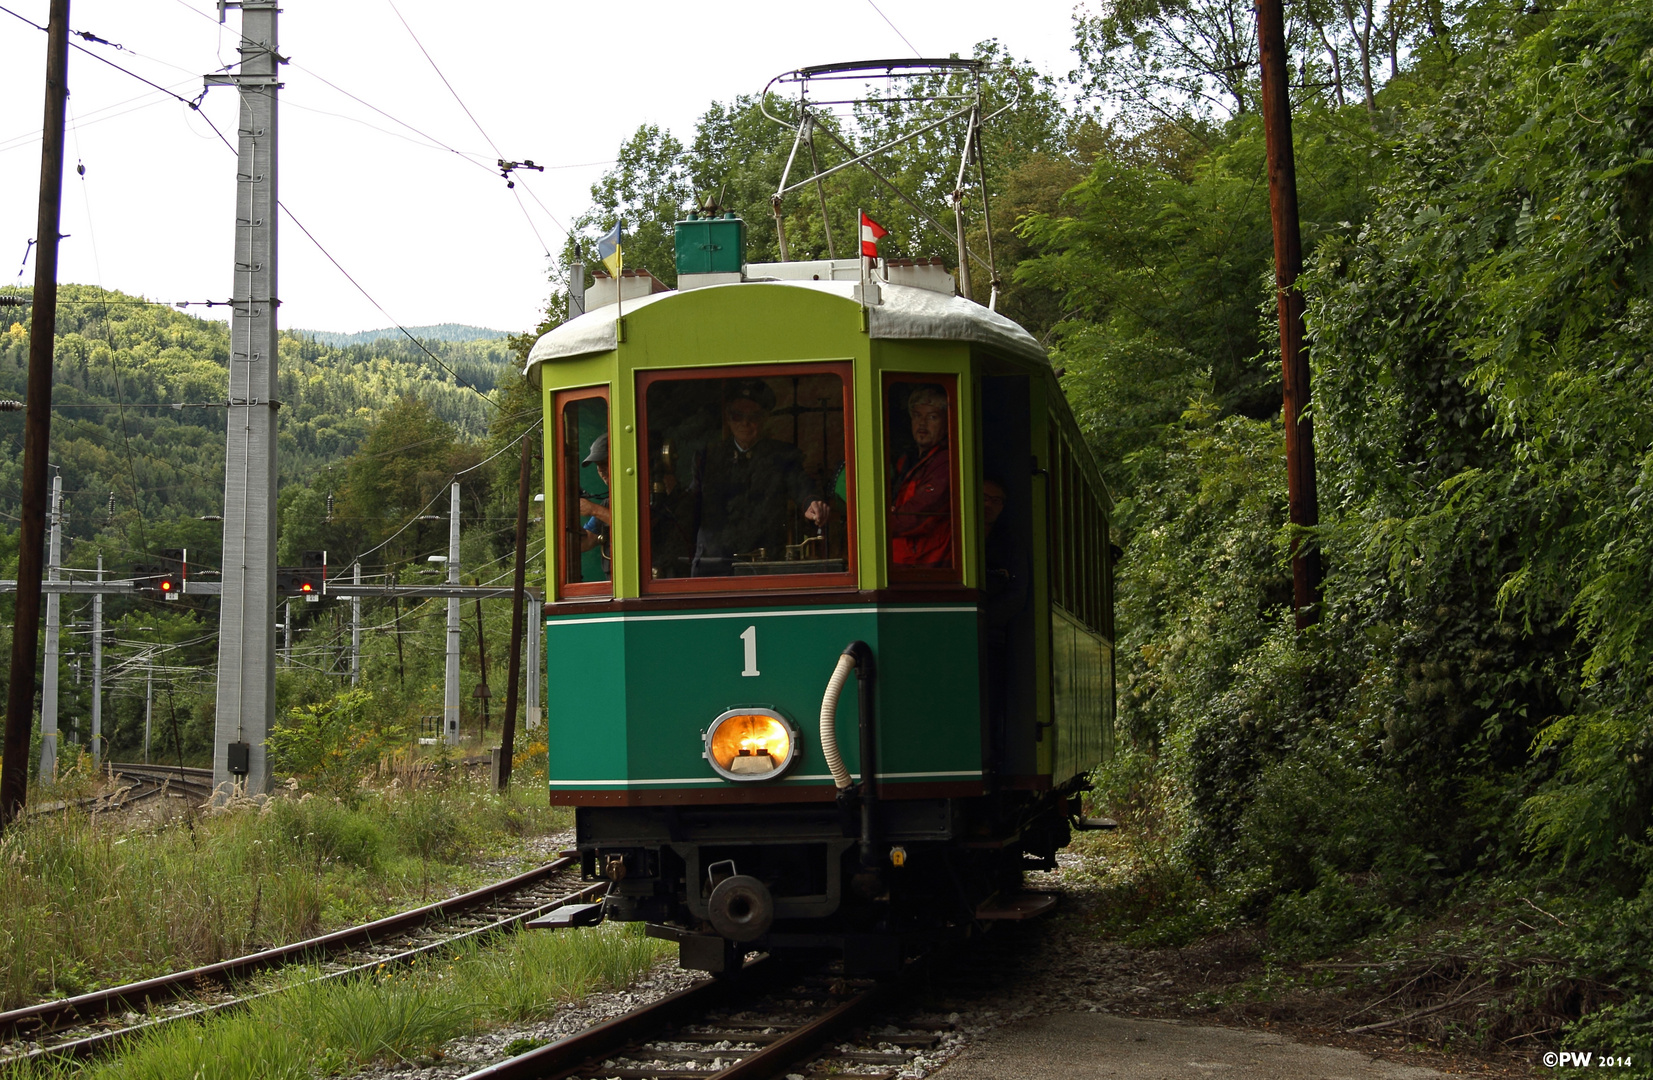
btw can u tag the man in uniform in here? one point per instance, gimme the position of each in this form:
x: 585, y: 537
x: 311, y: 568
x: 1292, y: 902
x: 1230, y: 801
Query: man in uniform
x: 744, y: 482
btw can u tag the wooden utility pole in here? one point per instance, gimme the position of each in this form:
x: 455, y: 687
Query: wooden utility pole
x: 37, y: 423
x: 1288, y: 264
x: 508, y: 736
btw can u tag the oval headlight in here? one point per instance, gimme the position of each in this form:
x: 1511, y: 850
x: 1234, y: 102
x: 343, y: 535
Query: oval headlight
x: 751, y: 744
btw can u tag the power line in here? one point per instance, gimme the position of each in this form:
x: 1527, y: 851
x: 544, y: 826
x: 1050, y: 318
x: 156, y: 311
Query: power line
x: 405, y: 333
x: 892, y: 26
x: 444, y: 79
x: 504, y: 169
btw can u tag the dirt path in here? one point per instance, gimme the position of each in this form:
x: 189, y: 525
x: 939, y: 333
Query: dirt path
x: 1065, y: 1002
x: 1078, y: 1046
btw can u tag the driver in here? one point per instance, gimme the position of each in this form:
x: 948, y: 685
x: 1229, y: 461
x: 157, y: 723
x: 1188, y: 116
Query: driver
x: 744, y: 482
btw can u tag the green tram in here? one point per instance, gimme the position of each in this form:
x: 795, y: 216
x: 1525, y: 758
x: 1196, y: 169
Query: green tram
x: 799, y: 522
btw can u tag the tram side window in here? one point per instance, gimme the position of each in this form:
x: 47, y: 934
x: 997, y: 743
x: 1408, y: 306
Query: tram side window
x: 747, y: 478
x: 585, y: 521
x: 920, y: 432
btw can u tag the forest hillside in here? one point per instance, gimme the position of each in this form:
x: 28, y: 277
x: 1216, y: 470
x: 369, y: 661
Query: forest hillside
x: 370, y: 435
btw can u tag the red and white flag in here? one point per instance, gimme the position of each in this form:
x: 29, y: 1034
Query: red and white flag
x: 870, y: 232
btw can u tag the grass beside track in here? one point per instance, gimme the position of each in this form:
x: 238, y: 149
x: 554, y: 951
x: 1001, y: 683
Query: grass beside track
x: 94, y: 901
x: 404, y: 1015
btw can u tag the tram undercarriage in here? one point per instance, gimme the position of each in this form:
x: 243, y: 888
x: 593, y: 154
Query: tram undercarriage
x: 724, y: 880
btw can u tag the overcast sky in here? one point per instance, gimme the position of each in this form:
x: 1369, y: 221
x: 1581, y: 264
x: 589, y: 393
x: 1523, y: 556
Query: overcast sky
x: 431, y: 235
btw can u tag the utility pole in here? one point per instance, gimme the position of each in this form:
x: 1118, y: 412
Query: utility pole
x: 450, y: 681
x: 356, y: 630
x: 54, y: 608
x: 37, y: 423
x: 246, y: 634
x: 1288, y: 264
x: 97, y: 671
x: 508, y: 732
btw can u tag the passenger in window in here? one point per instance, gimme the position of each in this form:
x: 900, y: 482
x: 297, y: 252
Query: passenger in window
x: 744, y: 482
x: 598, y: 517
x: 921, y: 513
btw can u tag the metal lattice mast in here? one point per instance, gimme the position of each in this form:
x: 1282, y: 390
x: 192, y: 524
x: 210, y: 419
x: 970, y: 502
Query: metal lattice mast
x: 97, y: 671
x: 356, y: 629
x: 450, y: 681
x: 246, y: 635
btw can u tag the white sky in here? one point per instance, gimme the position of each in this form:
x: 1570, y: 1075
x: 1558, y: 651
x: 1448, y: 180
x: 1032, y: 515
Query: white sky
x: 431, y: 236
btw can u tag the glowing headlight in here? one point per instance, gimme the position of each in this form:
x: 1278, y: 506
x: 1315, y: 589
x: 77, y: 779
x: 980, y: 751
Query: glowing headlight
x: 750, y: 744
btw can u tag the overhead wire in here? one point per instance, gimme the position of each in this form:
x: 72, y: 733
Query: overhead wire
x: 433, y: 500
x: 892, y: 26
x: 109, y: 334
x: 194, y: 105
x: 481, y: 130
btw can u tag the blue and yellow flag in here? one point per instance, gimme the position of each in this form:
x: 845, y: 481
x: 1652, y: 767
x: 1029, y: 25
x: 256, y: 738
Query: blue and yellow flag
x: 608, y: 250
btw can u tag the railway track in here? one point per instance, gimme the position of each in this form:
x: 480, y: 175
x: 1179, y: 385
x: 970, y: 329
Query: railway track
x: 143, y: 783
x: 762, y: 1025
x: 94, y: 1022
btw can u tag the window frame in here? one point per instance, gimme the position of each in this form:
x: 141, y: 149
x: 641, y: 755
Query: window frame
x: 755, y: 583
x: 924, y: 575
x: 566, y: 589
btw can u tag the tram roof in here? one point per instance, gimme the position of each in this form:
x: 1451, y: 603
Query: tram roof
x: 907, y: 313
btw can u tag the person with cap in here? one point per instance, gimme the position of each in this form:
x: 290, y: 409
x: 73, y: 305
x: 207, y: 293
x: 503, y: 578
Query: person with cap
x: 599, y: 518
x: 744, y: 482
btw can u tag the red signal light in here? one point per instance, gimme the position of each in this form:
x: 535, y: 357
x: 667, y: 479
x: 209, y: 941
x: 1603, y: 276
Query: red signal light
x: 166, y: 586
x: 307, y: 587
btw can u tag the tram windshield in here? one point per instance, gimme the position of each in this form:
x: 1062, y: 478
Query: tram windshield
x: 746, y: 479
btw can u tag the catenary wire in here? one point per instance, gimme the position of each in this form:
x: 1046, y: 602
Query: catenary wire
x: 892, y: 26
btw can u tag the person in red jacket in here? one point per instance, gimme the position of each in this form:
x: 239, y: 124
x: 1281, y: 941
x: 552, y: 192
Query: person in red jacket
x: 921, y: 513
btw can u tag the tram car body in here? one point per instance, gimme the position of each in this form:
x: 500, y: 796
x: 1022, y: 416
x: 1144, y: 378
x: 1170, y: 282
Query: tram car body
x: 750, y: 477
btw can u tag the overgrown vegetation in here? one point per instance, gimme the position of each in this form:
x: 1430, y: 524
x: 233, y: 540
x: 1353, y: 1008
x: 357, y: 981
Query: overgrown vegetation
x: 1450, y: 775
x: 89, y: 903
x: 402, y: 1016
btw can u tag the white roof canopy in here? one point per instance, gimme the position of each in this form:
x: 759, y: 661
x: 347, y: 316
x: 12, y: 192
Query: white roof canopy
x: 906, y: 314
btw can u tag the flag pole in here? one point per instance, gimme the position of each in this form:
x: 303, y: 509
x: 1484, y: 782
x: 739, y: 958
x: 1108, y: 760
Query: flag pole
x: 861, y: 259
x: 619, y: 277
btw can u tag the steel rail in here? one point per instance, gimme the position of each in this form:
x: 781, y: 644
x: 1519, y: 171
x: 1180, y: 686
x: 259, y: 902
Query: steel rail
x: 54, y: 1015
x: 583, y: 1054
x: 565, y: 1055
x: 90, y: 1044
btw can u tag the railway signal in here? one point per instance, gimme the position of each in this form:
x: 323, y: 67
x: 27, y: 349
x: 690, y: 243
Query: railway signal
x: 312, y: 577
x: 308, y: 580
x: 173, y: 573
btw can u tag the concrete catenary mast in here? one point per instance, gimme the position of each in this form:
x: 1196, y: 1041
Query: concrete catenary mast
x: 246, y: 636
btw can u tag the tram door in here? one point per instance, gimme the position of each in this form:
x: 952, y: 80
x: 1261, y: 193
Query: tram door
x: 1007, y: 523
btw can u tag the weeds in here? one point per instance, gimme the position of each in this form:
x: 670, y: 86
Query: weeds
x: 90, y: 903
x: 337, y: 1027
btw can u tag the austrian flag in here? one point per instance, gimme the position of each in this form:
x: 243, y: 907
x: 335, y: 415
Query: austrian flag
x: 870, y: 232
